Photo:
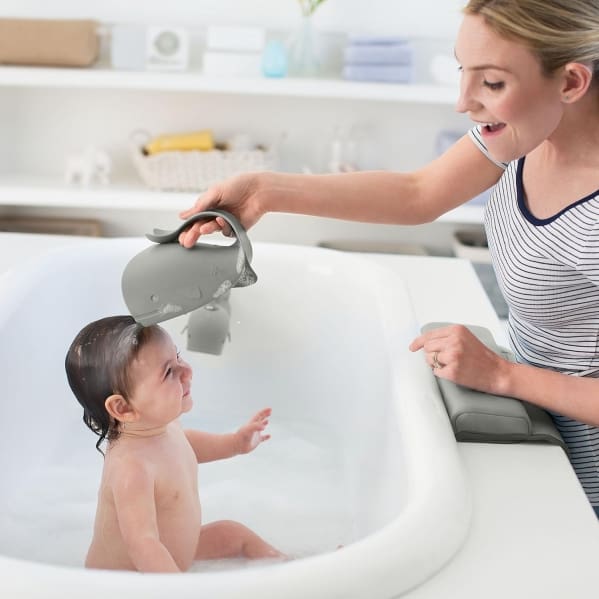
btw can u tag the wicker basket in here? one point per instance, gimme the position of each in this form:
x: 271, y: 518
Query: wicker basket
x: 194, y: 170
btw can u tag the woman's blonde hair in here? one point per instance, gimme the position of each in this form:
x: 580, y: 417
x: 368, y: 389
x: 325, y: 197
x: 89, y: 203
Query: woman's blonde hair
x: 556, y: 31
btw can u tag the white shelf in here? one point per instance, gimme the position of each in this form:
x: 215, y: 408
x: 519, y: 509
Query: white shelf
x: 196, y: 82
x: 29, y: 190
x: 48, y: 193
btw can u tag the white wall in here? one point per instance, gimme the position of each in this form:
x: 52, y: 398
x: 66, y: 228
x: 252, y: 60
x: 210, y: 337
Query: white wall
x: 397, y: 136
x: 430, y: 18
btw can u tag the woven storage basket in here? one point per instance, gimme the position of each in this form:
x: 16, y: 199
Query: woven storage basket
x: 194, y: 170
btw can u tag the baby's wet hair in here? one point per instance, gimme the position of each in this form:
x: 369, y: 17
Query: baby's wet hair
x: 98, y: 366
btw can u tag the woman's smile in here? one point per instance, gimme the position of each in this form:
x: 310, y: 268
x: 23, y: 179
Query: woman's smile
x: 490, y: 128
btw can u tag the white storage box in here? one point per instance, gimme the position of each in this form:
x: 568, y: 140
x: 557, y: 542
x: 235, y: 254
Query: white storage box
x: 471, y: 245
x: 240, y: 39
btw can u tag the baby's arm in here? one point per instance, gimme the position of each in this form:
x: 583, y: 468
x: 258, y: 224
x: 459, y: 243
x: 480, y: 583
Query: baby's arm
x: 210, y: 446
x: 136, y: 511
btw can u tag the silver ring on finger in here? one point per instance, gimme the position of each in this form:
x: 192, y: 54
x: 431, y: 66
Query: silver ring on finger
x: 436, y: 363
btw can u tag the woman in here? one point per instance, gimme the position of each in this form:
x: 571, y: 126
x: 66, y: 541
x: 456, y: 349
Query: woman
x: 529, y: 83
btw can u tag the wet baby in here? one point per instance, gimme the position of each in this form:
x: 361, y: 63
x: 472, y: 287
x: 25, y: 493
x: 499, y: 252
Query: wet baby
x: 133, y: 386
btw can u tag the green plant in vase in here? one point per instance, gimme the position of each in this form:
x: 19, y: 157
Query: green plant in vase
x: 308, y: 7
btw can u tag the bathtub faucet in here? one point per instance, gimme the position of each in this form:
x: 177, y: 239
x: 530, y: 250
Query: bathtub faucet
x: 208, y: 327
x: 167, y: 280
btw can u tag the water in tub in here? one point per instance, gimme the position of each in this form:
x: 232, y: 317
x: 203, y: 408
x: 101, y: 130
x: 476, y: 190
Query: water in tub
x: 58, y: 502
x: 48, y: 517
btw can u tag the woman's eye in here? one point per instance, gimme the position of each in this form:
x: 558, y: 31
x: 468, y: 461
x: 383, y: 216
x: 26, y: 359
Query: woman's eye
x: 178, y: 356
x: 493, y: 85
x: 168, y: 373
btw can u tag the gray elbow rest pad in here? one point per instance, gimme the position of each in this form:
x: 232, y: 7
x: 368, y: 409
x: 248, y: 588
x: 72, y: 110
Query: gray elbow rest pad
x: 487, y: 418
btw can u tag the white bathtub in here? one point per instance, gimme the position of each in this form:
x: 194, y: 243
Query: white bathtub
x: 361, y: 453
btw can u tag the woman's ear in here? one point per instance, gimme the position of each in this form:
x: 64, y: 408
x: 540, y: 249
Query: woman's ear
x: 576, y: 81
x: 117, y: 406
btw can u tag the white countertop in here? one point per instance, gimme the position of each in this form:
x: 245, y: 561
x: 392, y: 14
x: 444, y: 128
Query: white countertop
x: 533, y: 533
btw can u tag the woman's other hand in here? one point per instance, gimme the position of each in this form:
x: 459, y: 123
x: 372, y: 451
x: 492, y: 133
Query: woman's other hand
x: 454, y: 353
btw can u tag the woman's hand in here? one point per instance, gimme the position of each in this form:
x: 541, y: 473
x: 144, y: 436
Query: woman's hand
x: 238, y: 195
x: 249, y: 436
x: 455, y: 354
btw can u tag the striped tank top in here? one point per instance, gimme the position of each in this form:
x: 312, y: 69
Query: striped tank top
x: 548, y: 272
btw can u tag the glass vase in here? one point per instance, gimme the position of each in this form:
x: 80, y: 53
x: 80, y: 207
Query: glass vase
x: 303, y: 50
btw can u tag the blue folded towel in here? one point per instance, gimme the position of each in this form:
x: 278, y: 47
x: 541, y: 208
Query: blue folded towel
x: 389, y: 73
x: 378, y: 54
x: 378, y: 40
x: 378, y: 58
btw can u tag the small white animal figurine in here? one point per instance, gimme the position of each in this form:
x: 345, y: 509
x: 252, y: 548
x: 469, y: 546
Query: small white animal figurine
x: 90, y: 166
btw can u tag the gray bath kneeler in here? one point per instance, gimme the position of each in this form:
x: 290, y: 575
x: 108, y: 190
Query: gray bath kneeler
x: 488, y: 418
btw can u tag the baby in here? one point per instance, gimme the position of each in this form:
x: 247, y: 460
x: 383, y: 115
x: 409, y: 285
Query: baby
x: 133, y: 386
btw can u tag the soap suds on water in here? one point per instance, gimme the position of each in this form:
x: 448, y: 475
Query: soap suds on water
x: 290, y: 491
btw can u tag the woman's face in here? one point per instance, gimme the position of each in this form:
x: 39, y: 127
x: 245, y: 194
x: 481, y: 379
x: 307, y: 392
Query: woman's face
x: 504, y: 90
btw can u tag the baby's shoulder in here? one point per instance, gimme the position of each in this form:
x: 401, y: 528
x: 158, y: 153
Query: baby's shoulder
x: 129, y: 481
x: 133, y: 465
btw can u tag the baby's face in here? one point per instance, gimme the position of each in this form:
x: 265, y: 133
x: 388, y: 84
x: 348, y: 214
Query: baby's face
x: 162, y: 383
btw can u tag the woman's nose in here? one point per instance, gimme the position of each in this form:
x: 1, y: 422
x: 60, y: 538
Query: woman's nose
x: 460, y: 105
x: 466, y: 102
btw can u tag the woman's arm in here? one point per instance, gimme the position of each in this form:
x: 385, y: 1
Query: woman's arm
x: 573, y: 396
x: 418, y: 197
x: 209, y: 447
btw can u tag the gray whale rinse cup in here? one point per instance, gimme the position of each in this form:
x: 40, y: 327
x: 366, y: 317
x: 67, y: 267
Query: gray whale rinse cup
x: 166, y: 280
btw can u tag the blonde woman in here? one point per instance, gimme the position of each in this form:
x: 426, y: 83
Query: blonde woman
x: 529, y: 71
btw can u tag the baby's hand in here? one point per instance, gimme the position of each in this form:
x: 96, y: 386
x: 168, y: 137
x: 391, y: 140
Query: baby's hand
x: 249, y: 436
